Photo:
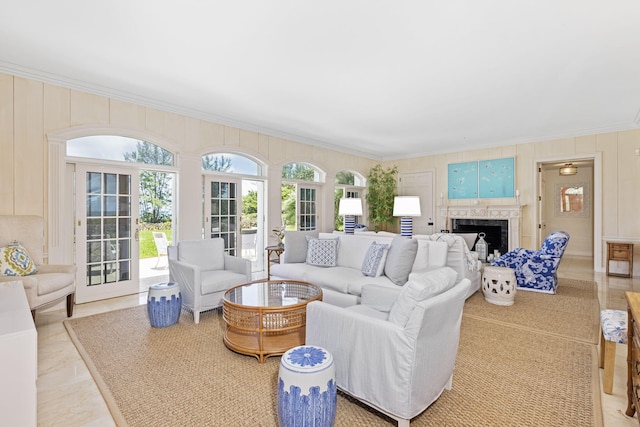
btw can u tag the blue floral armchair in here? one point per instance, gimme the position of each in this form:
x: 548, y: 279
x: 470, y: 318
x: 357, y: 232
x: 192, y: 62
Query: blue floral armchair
x: 536, y: 270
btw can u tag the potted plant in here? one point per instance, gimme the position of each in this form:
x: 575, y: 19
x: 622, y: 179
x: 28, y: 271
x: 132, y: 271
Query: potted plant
x: 381, y: 189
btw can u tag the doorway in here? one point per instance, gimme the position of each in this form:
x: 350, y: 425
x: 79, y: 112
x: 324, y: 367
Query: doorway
x: 107, y: 232
x: 557, y: 207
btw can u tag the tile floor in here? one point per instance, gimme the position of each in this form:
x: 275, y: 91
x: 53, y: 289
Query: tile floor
x: 68, y: 396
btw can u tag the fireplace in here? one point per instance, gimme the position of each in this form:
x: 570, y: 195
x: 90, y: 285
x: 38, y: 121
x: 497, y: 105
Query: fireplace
x: 501, y: 223
x: 496, y: 230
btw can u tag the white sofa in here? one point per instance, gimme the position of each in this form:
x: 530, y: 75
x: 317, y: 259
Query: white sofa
x: 342, y: 284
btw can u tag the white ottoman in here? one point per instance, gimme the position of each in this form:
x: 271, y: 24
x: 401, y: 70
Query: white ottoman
x: 499, y: 285
x: 307, y: 388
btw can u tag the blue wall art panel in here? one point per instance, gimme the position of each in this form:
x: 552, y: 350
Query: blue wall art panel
x: 463, y: 180
x: 496, y: 178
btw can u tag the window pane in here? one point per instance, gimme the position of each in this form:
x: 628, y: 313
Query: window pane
x: 94, y: 183
x: 121, y: 148
x: 110, y: 183
x: 125, y: 184
x: 94, y: 207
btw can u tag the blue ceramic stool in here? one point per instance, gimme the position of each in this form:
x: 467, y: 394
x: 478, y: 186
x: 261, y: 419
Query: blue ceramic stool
x: 306, y: 388
x: 164, y: 304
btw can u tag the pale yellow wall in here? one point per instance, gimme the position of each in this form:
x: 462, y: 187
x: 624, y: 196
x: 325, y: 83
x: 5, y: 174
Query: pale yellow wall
x: 31, y: 110
x: 620, y: 179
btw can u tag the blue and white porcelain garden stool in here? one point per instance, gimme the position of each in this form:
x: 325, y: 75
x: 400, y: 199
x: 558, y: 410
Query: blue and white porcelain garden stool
x: 164, y: 303
x: 307, y: 388
x: 614, y: 326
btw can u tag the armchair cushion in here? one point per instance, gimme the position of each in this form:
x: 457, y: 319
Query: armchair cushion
x: 219, y: 280
x: 402, y: 254
x: 419, y: 288
x: 207, y: 254
x: 15, y: 261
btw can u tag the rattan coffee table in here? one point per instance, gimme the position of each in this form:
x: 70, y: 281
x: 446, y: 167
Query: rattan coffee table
x: 267, y: 317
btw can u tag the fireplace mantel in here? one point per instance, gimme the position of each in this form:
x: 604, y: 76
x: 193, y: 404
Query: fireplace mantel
x: 512, y: 213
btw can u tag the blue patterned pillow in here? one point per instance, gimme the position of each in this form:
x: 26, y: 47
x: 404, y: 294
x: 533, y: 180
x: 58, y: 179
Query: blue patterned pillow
x: 322, y: 252
x: 15, y: 261
x: 373, y: 263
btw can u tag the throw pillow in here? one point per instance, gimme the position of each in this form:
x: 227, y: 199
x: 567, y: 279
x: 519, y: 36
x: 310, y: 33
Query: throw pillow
x: 295, y: 245
x: 322, y: 252
x: 421, y: 287
x: 402, y: 254
x: 373, y: 263
x: 15, y: 261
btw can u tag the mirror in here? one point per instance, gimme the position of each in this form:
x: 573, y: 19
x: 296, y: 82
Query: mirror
x: 571, y: 199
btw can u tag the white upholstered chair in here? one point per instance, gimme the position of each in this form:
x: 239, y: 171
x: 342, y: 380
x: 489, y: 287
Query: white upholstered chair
x: 51, y: 282
x: 204, y: 272
x: 395, y: 355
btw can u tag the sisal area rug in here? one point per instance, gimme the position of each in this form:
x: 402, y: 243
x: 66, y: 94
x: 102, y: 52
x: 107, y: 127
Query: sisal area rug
x: 183, y: 375
x: 573, y: 312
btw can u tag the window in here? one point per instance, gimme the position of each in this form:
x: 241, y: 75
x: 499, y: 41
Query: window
x: 299, y: 196
x: 119, y: 148
x: 231, y: 163
x: 348, y: 185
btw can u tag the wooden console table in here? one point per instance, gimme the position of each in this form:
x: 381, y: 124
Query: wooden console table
x: 633, y: 353
x: 618, y: 251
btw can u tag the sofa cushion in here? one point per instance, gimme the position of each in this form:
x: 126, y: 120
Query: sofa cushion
x: 15, y: 261
x: 357, y: 284
x: 322, y: 252
x: 336, y: 278
x: 400, y: 258
x: 295, y: 245
x: 373, y: 264
x: 297, y: 271
x: 419, y: 288
x: 469, y: 238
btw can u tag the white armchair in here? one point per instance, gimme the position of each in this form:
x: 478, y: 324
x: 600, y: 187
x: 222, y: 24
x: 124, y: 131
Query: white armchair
x: 204, y: 272
x: 396, y: 357
x: 51, y: 282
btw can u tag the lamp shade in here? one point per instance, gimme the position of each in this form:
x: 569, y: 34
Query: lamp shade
x: 406, y: 206
x: 351, y: 206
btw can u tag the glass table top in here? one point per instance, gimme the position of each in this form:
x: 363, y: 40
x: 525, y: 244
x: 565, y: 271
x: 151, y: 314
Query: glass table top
x: 272, y: 293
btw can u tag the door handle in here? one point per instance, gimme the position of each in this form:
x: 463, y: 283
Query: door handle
x: 137, y: 235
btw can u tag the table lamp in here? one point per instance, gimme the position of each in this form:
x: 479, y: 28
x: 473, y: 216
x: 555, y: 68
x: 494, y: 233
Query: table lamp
x: 406, y: 207
x: 350, y: 208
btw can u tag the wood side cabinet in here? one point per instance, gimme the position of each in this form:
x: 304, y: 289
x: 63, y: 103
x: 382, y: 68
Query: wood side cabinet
x: 618, y: 251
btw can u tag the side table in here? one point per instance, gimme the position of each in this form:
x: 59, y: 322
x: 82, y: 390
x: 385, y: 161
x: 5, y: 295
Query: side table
x: 276, y: 251
x: 619, y: 251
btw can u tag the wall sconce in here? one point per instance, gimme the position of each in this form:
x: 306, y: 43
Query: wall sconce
x: 350, y: 208
x: 568, y: 169
x: 406, y: 207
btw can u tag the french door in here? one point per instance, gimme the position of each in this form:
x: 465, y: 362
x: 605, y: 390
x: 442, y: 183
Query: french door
x: 107, y: 239
x: 222, y: 210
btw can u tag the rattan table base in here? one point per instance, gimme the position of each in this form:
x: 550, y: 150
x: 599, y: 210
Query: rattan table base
x: 270, y: 322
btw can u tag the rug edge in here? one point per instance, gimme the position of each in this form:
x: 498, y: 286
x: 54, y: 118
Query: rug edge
x: 110, y: 401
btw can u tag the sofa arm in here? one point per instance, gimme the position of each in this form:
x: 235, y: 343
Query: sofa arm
x: 238, y: 265
x: 379, y: 297
x: 56, y: 268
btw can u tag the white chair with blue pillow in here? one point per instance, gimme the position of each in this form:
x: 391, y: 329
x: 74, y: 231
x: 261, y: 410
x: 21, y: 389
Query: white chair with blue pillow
x: 614, y: 326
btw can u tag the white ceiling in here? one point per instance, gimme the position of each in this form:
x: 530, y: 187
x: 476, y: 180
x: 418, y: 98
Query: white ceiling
x: 383, y: 79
